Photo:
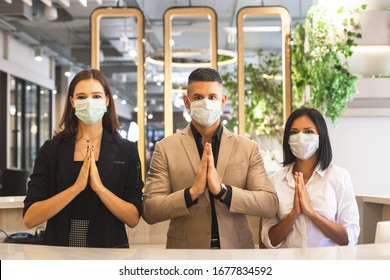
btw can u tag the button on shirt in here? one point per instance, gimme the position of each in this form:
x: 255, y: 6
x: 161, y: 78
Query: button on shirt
x: 331, y: 195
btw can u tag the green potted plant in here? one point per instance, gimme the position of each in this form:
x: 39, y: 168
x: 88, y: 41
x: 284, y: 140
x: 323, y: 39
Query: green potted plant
x: 263, y: 97
x: 320, y: 47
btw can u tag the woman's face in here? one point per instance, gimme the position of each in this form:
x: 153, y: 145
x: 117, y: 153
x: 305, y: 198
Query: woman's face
x: 90, y: 88
x: 303, y: 124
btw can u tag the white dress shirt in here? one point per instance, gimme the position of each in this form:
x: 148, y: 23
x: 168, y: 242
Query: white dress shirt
x: 331, y: 195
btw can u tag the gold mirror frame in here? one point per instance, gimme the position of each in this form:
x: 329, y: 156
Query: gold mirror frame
x: 168, y: 17
x: 286, y: 58
x: 96, y: 16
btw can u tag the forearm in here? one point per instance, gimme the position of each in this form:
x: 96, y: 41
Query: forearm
x: 44, y: 210
x: 123, y: 210
x: 279, y: 232
x: 336, y: 232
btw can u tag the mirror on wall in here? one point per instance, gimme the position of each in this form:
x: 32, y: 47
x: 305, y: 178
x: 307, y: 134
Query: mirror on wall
x: 180, y: 59
x: 263, y: 77
x: 118, y: 52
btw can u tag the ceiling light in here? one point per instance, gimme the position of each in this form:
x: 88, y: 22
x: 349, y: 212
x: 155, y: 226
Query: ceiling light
x: 65, y: 3
x: 67, y: 71
x: 46, y: 2
x: 51, y: 13
x: 233, y: 30
x: 192, y: 58
x: 38, y: 54
x: 28, y: 2
x: 83, y: 2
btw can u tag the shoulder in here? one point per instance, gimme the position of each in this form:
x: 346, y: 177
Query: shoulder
x: 281, y: 173
x: 175, y: 137
x: 51, y: 144
x: 241, y: 139
x: 122, y: 142
x: 337, y: 171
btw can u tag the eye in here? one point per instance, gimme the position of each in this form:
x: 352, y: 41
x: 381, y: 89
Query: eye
x: 80, y: 97
x: 309, y: 131
x: 213, y: 97
x: 293, y: 132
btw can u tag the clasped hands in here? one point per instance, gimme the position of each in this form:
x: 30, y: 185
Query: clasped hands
x: 206, y: 175
x: 89, y: 173
x: 302, y: 203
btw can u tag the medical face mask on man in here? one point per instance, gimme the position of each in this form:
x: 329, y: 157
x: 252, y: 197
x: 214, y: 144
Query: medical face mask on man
x: 90, y: 110
x: 206, y: 112
x: 303, y: 146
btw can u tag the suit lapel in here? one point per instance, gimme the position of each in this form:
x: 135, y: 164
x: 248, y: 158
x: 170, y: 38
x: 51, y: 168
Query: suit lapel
x: 65, y: 163
x: 190, y: 148
x: 108, y: 152
x: 225, y: 149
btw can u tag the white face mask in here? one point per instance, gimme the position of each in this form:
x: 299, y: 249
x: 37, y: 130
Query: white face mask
x: 303, y: 146
x: 90, y: 110
x: 206, y: 112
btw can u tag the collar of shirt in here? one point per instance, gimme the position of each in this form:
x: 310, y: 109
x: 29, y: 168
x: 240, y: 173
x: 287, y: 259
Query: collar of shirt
x: 216, y: 140
x: 198, y: 137
x: 288, y: 176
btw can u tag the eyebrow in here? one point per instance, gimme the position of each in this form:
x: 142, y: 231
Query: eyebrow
x: 95, y: 92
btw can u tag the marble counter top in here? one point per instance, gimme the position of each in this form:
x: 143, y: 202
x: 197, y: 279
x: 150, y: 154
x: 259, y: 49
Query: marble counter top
x: 155, y: 252
x: 9, y: 202
x: 380, y: 199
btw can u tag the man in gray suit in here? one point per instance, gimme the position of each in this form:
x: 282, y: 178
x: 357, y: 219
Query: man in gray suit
x: 206, y: 179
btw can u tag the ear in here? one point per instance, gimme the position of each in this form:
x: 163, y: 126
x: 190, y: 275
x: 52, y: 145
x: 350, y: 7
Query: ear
x: 71, y: 101
x: 186, y: 101
x: 223, y: 101
x: 107, y: 100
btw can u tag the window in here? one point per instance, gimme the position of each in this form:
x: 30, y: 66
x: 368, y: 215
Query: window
x: 30, y: 121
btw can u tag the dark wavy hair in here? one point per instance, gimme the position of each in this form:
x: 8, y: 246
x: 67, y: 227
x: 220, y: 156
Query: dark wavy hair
x: 325, y: 148
x: 69, y: 121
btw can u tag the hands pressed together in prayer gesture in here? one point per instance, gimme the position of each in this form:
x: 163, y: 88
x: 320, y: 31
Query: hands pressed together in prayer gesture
x: 301, y: 197
x: 89, y: 173
x: 206, y: 176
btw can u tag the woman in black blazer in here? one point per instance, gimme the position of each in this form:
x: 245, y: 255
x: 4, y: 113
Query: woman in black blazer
x: 87, y: 181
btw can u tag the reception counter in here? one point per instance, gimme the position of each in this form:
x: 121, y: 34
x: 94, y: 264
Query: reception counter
x: 372, y: 209
x: 156, y: 252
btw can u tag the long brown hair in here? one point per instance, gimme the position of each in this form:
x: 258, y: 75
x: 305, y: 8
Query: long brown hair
x: 69, y: 121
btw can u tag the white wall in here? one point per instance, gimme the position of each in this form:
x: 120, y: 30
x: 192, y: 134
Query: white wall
x: 362, y: 146
x: 17, y: 59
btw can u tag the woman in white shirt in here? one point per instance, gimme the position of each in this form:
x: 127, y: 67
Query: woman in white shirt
x: 317, y: 205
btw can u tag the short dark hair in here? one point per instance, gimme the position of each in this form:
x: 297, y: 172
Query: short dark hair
x: 69, y: 121
x: 325, y: 148
x: 204, y: 75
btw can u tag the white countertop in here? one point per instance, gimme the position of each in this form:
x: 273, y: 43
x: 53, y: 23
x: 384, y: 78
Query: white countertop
x: 380, y: 199
x: 155, y: 252
x: 8, y: 202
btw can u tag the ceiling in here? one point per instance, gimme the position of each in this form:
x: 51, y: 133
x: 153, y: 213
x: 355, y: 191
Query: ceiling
x: 67, y: 37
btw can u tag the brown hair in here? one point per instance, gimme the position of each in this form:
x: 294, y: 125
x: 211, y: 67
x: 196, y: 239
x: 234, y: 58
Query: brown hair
x: 69, y: 121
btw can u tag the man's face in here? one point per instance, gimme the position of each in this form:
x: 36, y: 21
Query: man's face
x: 200, y: 90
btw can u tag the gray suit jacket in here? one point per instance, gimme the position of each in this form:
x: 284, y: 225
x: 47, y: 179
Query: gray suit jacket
x: 173, y: 168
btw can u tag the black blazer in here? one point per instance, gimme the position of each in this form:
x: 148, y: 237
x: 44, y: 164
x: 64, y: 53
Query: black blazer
x: 120, y: 171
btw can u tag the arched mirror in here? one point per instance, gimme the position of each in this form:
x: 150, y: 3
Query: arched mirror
x: 117, y: 50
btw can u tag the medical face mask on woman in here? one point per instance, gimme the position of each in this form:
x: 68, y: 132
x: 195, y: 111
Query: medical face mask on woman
x: 303, y: 146
x: 90, y: 110
x: 206, y: 112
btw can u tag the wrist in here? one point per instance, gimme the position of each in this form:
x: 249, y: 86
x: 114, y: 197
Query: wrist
x: 222, y: 192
